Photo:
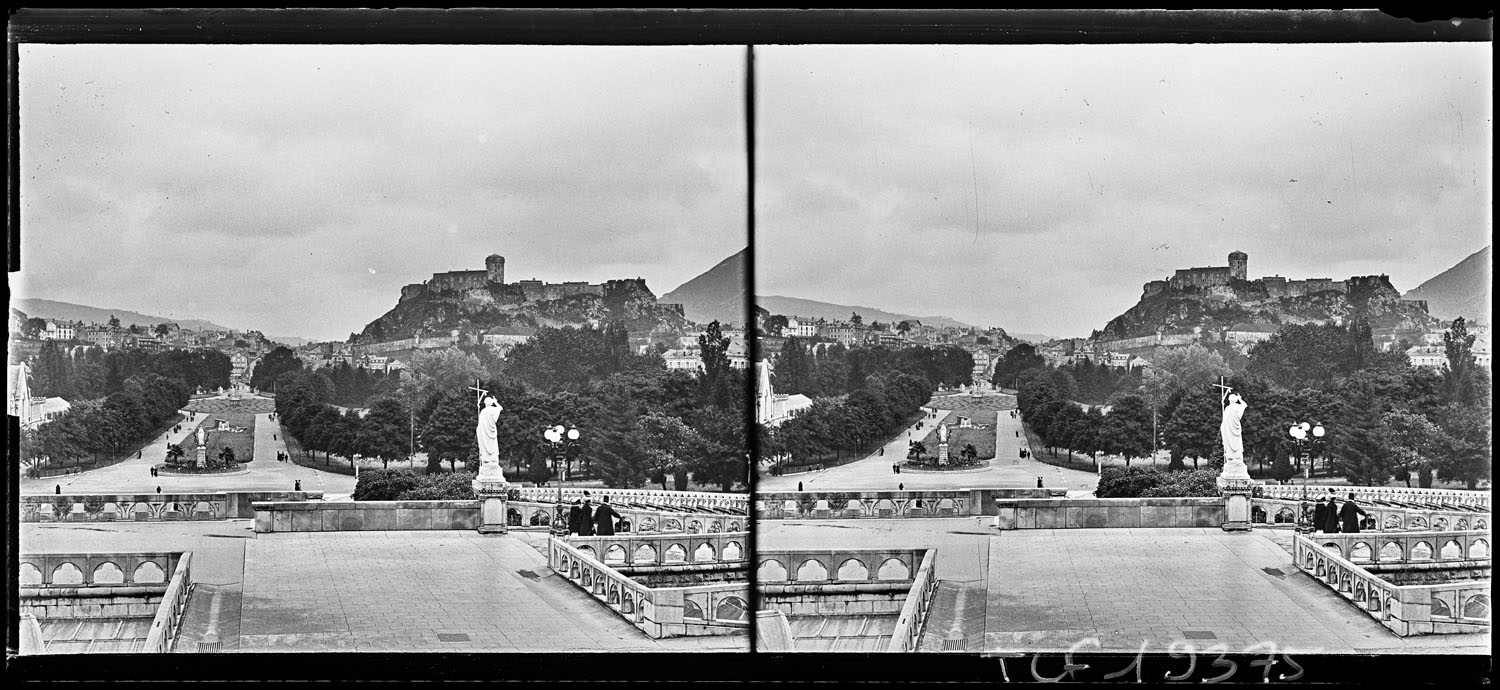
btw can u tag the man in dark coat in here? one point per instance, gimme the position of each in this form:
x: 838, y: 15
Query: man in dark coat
x: 604, y: 519
x: 586, y: 525
x: 1331, y: 517
x: 575, y: 517
x: 1320, y: 513
x: 1351, y: 514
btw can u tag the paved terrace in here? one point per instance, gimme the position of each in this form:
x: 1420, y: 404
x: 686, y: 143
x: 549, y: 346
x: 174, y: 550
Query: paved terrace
x: 1045, y: 590
x: 1006, y: 470
x: 438, y: 591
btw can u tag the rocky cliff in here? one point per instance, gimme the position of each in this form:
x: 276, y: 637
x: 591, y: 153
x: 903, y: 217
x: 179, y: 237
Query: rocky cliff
x: 1217, y: 308
x: 478, y: 310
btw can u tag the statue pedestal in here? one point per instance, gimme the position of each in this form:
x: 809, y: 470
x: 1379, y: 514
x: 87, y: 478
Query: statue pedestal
x: 493, y: 492
x: 942, y: 454
x: 1236, y: 500
x: 202, y: 460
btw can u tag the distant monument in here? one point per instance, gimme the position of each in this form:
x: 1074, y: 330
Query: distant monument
x: 942, y: 457
x: 1234, y: 480
x: 490, y: 485
x: 202, y: 457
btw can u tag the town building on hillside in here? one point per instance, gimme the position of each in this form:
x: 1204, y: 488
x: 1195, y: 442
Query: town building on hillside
x: 31, y: 411
x: 502, y: 338
x: 1244, y: 335
x: 796, y: 328
x: 56, y: 331
x: 1428, y: 356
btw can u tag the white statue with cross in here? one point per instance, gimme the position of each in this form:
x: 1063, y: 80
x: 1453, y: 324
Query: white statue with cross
x: 488, y: 436
x: 1232, y: 433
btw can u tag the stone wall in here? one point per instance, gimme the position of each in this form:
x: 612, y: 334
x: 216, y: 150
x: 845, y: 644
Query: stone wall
x: 863, y: 599
x: 356, y: 516
x: 839, y: 505
x: 1078, y: 513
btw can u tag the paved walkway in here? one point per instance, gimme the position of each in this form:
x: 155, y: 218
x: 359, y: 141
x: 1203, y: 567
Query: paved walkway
x: 371, y: 591
x: 1045, y: 590
x: 262, y: 474
x: 873, y: 472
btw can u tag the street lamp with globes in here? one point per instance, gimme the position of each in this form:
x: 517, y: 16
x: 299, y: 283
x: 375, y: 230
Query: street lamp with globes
x: 1305, y: 434
x: 562, y: 438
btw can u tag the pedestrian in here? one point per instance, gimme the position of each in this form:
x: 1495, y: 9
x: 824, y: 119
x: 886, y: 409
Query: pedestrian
x: 1331, y: 517
x: 297, y: 485
x: 575, y: 515
x: 586, y: 522
x: 604, y: 519
x: 1351, y: 514
x: 59, y: 489
x: 882, y: 451
x: 1018, y: 434
x: 273, y: 437
x: 1320, y: 513
x: 158, y: 489
x: 138, y: 453
x: 1039, y: 483
x: 901, y: 487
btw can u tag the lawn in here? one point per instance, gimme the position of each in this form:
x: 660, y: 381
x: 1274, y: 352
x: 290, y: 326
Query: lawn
x: 967, y: 405
x: 983, y: 440
x: 242, y: 442
x: 241, y: 406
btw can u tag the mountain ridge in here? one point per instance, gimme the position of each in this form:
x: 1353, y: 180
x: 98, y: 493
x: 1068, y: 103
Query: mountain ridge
x: 1461, y: 290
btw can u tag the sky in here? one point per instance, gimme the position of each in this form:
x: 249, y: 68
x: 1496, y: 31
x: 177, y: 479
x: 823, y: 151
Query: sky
x: 1037, y: 187
x: 295, y: 189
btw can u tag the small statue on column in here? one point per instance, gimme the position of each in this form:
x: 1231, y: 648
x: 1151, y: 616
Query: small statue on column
x: 490, y: 485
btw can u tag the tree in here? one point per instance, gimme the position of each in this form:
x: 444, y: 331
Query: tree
x: 278, y: 361
x: 1126, y: 429
x: 226, y: 456
x: 1413, y: 441
x: 1360, y: 451
x: 114, y: 322
x: 1467, y: 444
x: 34, y: 327
x: 162, y: 329
x: 1192, y: 429
x: 856, y: 319
x: 384, y: 431
x: 434, y: 372
x: 1458, y: 379
x: 666, y: 443
x: 714, y: 351
x: 449, y: 432
x: 1018, y: 359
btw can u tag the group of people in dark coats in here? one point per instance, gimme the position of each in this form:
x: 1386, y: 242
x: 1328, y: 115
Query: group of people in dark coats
x: 585, y: 520
x: 1330, y: 517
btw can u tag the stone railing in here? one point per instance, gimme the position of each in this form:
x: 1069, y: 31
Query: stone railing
x: 713, y: 609
x: 1380, y: 518
x: 735, y: 504
x: 1074, y: 513
x: 827, y: 505
x: 640, y: 550
x: 1374, y: 549
x: 1449, y: 607
x: 815, y: 566
x: 1401, y: 496
x: 526, y: 513
x: 910, y: 626
x: 361, y: 516
x: 168, y: 621
x: 151, y: 507
x: 150, y: 571
x: 110, y: 585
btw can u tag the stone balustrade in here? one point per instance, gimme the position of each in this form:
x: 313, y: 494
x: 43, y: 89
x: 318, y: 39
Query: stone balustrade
x: 1448, y: 607
x: 168, y: 621
x: 712, y: 609
x: 52, y: 571
x: 110, y: 585
x: 910, y: 626
x: 1083, y: 513
x: 360, y: 516
x: 151, y: 507
x: 726, y: 503
x: 635, y: 551
x: 1384, y: 518
x: 1435, y: 498
x: 1395, y: 548
x: 526, y: 513
x: 821, y: 567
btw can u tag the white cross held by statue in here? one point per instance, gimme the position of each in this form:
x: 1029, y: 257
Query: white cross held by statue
x: 478, y: 393
x: 1226, y: 390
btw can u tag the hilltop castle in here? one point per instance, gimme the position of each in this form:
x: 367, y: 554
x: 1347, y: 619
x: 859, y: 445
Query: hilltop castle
x: 494, y: 274
x: 1238, y: 269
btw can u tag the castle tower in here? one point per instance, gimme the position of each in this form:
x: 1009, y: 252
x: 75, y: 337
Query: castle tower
x: 1239, y: 262
x: 494, y: 265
